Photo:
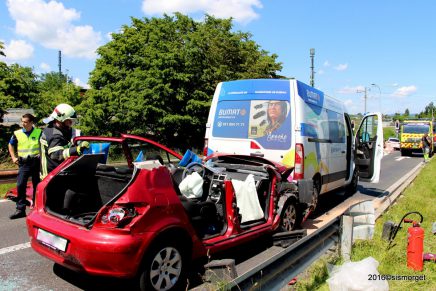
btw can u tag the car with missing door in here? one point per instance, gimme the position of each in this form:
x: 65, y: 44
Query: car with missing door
x: 119, y: 210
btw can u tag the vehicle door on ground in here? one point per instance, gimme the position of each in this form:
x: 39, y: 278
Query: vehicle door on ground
x: 369, y: 147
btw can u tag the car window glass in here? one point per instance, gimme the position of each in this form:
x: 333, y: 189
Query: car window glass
x: 142, y: 151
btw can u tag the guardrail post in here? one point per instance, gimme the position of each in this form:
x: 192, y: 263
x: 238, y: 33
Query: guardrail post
x: 346, y: 236
x: 220, y: 271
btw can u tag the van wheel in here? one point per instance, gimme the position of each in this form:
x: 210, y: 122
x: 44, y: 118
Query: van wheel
x: 290, y: 217
x: 352, y: 188
x: 315, y: 195
x: 164, y: 268
x: 404, y: 152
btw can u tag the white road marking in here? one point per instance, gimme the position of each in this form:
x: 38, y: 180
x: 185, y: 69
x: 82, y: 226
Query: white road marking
x: 14, y: 248
x: 401, y: 158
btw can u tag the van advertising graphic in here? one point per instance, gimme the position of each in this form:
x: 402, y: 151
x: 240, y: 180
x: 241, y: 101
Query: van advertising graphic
x: 266, y: 121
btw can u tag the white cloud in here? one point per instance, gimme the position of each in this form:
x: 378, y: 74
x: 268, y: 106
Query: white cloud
x: 348, y: 102
x: 50, y: 24
x: 341, y: 67
x: 18, y: 50
x: 78, y: 82
x: 405, y: 91
x: 45, y: 67
x: 241, y: 10
x: 326, y: 64
x: 320, y: 72
x: 350, y: 90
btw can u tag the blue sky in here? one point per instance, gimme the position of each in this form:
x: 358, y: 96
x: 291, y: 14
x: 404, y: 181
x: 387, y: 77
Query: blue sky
x: 357, y: 43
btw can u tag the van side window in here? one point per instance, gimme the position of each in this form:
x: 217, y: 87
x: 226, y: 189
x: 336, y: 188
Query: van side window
x: 336, y: 127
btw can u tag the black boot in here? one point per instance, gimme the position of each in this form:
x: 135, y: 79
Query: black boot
x: 18, y: 214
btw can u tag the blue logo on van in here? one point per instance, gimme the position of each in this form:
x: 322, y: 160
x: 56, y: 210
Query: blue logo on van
x: 313, y: 97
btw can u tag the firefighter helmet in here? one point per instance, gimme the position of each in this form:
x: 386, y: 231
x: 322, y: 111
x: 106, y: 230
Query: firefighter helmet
x: 61, y: 113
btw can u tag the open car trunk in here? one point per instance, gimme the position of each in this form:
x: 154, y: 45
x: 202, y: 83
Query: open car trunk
x: 80, y: 190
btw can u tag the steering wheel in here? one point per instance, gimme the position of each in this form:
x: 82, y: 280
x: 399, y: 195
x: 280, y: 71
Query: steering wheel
x: 194, y: 167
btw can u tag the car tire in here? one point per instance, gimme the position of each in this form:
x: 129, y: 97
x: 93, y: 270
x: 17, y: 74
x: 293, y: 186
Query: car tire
x: 290, y: 218
x: 164, y: 268
x: 352, y: 187
x: 404, y: 152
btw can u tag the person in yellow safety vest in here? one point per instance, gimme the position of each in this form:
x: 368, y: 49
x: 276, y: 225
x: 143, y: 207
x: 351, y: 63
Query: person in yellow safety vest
x: 26, y: 141
x: 56, y: 139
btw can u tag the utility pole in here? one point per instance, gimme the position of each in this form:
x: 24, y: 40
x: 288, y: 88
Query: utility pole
x: 60, y: 63
x: 312, y: 72
x: 364, y: 97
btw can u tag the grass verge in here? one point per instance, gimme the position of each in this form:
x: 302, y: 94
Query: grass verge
x: 4, y: 188
x: 419, y: 196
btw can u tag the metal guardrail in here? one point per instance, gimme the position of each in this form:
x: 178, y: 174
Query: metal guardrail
x: 283, y: 264
x: 8, y: 176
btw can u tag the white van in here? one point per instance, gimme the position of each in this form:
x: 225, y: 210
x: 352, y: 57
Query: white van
x: 299, y: 126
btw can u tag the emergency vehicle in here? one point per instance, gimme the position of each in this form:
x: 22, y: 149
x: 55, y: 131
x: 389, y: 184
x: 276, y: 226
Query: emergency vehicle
x: 411, y: 133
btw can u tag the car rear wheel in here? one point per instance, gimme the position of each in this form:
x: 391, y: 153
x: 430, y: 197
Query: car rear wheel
x: 164, y: 268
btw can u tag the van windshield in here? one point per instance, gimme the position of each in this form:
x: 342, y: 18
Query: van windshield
x: 416, y: 128
x: 266, y: 121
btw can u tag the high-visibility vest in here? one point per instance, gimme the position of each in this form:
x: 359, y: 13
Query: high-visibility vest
x: 28, y: 145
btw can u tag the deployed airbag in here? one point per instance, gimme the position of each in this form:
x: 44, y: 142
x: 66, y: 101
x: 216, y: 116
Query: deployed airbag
x: 247, y: 200
x: 192, y: 186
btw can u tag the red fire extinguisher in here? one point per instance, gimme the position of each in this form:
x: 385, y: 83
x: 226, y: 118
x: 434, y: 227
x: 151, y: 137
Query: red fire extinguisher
x: 415, y: 242
x: 415, y: 245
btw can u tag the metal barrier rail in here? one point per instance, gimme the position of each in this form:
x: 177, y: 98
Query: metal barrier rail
x: 283, y: 264
x: 8, y: 176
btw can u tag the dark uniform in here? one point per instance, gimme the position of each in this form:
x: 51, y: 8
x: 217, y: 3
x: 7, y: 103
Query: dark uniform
x: 56, y: 146
x: 27, y: 143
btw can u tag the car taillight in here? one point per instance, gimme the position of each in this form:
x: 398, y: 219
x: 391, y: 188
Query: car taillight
x: 116, y: 216
x: 299, y: 162
x: 206, y: 147
x: 254, y: 146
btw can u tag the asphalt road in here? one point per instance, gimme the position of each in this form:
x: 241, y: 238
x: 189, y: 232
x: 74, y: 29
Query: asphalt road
x: 23, y: 269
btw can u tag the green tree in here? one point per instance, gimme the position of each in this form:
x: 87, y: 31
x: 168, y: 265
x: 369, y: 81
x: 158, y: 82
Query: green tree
x: 428, y: 112
x: 54, y: 89
x: 406, y: 112
x: 18, y: 86
x: 157, y: 76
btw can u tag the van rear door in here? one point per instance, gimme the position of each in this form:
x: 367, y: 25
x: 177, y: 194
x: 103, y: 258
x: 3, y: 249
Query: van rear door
x: 251, y: 117
x: 369, y: 147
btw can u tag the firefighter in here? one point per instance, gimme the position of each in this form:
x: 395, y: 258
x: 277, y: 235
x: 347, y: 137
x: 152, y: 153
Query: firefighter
x: 57, y: 137
x: 26, y: 141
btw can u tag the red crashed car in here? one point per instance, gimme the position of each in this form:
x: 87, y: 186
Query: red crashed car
x: 119, y: 210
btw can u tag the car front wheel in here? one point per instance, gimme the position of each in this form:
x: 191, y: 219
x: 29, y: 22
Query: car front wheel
x: 164, y: 268
x: 289, y: 220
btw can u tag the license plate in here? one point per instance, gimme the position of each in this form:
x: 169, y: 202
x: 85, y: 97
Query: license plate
x: 51, y: 240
